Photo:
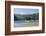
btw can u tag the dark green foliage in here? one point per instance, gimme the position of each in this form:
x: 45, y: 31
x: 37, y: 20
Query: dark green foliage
x: 35, y: 16
x: 26, y: 17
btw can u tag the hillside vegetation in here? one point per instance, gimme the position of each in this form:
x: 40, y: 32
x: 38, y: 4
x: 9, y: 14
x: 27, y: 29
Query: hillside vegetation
x: 26, y: 17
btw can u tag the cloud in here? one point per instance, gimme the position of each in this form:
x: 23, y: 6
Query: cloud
x: 25, y: 11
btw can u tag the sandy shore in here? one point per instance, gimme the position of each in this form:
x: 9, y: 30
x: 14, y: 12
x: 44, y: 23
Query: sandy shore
x: 25, y: 25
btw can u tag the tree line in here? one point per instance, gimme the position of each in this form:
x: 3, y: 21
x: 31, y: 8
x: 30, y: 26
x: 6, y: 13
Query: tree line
x: 27, y: 17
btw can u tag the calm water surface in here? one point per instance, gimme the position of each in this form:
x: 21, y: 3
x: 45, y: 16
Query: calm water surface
x: 26, y: 22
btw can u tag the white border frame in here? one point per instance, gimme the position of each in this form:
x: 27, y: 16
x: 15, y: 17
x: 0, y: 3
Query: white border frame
x: 25, y: 28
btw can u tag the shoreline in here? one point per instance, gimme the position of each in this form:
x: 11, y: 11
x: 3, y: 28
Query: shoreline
x: 25, y: 25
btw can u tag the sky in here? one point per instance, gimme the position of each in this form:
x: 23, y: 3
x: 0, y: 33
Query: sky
x: 24, y: 11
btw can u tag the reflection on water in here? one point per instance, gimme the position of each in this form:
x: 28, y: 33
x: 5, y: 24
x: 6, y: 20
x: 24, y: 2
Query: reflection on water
x: 26, y: 22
